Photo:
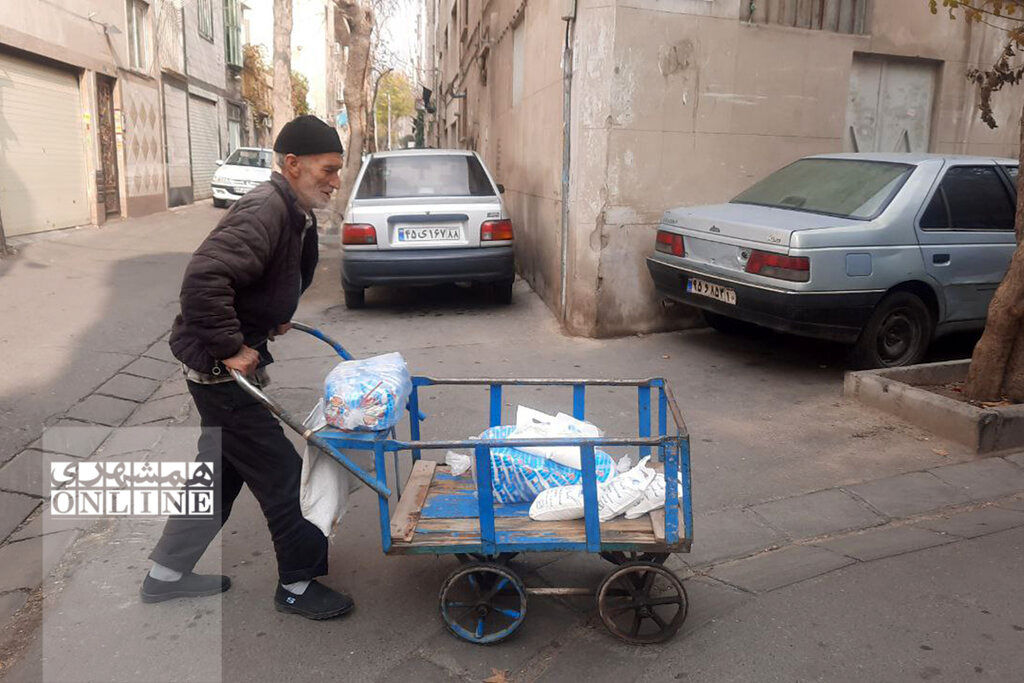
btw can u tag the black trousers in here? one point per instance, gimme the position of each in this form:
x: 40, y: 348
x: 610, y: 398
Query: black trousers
x: 247, y: 445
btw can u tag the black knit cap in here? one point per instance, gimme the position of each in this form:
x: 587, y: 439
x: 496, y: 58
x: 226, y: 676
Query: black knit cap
x: 307, y: 135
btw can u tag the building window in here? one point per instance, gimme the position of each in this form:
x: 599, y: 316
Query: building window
x: 840, y: 16
x: 206, y: 19
x: 233, y: 32
x: 138, y: 34
x: 234, y: 127
x: 518, y: 62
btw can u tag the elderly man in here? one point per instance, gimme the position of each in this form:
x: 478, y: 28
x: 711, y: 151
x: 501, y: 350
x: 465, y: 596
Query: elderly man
x: 240, y: 290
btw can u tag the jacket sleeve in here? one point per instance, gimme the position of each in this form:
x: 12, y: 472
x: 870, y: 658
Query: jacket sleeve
x: 231, y: 258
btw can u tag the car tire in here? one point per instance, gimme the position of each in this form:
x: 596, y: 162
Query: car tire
x: 898, y: 333
x: 220, y: 203
x: 355, y: 298
x: 726, y: 325
x: 501, y: 292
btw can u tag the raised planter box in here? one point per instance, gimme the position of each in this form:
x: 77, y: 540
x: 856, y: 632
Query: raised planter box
x: 897, y: 391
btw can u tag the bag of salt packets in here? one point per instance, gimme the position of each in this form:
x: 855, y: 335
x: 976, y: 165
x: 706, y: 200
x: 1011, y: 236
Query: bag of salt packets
x: 367, y: 395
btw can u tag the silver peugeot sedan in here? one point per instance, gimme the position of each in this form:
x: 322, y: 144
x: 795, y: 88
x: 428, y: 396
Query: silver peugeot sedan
x: 882, y: 251
x: 422, y: 217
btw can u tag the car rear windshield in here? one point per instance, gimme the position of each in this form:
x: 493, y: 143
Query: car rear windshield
x: 254, y: 158
x: 440, y: 175
x: 848, y: 188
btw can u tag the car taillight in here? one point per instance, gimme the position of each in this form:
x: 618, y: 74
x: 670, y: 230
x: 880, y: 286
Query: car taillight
x: 358, y: 233
x: 793, y: 268
x: 496, y: 231
x: 669, y: 243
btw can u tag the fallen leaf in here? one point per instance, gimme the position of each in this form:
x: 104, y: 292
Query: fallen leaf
x: 666, y: 356
x: 497, y: 676
x: 940, y: 451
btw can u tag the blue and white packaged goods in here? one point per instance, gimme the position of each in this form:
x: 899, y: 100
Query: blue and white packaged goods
x: 367, y: 395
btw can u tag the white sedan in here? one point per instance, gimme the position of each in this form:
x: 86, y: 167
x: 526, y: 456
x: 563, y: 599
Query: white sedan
x: 246, y: 168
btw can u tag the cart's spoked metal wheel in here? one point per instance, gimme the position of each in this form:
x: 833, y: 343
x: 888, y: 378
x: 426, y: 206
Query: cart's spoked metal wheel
x: 642, y: 602
x: 483, y: 603
x: 476, y: 558
x: 618, y: 557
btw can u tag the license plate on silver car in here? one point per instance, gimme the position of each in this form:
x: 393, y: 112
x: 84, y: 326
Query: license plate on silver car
x: 712, y: 291
x: 433, y: 234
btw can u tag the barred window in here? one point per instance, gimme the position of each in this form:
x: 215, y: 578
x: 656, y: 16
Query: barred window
x: 840, y: 16
x: 138, y: 34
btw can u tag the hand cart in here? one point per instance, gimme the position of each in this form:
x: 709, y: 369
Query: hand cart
x: 484, y: 600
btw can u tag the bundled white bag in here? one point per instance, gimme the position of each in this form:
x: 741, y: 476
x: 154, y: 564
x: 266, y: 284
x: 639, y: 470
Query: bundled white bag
x: 615, y: 496
x: 324, y: 484
x: 533, y: 424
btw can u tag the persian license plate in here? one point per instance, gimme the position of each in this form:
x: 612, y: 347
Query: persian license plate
x: 712, y: 291
x: 433, y: 234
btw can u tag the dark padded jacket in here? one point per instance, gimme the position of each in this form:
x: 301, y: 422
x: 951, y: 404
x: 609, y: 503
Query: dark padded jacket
x: 245, y: 278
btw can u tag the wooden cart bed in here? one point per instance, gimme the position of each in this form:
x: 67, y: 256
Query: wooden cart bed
x: 438, y: 511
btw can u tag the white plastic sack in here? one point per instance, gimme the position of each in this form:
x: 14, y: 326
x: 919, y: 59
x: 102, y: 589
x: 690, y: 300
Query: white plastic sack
x: 367, y: 395
x: 614, y: 496
x: 533, y: 424
x: 324, y: 484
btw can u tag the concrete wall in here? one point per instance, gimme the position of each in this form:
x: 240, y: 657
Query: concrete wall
x: 701, y: 104
x: 205, y: 58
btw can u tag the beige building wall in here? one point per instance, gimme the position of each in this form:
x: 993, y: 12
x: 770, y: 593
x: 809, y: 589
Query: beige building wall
x: 673, y: 103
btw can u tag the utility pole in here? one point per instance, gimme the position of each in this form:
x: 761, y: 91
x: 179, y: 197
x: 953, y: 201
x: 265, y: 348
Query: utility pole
x: 389, y: 122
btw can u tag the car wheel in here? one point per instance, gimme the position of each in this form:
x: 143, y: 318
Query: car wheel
x: 727, y: 325
x: 502, y: 291
x: 220, y: 203
x: 355, y: 298
x: 898, y: 333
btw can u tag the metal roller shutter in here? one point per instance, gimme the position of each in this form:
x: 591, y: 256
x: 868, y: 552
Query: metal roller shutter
x: 179, y: 168
x: 43, y: 173
x: 205, y: 144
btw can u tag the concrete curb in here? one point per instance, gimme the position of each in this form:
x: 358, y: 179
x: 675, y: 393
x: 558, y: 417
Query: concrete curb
x: 896, y: 391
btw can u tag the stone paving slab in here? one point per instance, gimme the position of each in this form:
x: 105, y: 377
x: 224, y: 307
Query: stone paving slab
x: 129, y: 387
x: 729, y: 533
x: 173, y: 387
x: 45, y: 523
x: 14, y: 508
x: 25, y: 474
x: 909, y: 494
x: 152, y: 368
x: 26, y: 563
x: 10, y: 603
x: 415, y: 668
x: 174, y: 408
x: 976, y: 522
x: 818, y: 513
x: 72, y: 438
x: 983, y: 479
x: 131, y: 440
x: 1017, y: 459
x: 1016, y: 503
x: 779, y: 568
x: 885, y: 542
x: 102, y: 410
x: 161, y: 350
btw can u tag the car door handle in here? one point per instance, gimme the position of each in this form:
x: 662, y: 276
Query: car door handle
x: 940, y: 259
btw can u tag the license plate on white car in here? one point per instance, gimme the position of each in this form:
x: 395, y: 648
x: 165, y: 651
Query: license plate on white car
x: 434, y: 234
x: 712, y: 291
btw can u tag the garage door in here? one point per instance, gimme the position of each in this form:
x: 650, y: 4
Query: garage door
x: 179, y: 168
x: 42, y: 152
x: 205, y: 144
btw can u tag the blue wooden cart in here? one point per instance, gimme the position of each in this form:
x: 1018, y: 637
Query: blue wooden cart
x: 484, y: 600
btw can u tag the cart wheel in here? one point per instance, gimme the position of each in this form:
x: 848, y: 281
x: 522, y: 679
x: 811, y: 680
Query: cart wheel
x: 642, y: 602
x: 617, y: 557
x: 483, y: 603
x: 477, y: 558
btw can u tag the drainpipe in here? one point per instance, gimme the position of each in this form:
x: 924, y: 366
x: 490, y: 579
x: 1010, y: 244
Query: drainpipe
x: 569, y: 16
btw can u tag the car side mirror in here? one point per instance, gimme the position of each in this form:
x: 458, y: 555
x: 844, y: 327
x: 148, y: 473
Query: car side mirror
x: 220, y: 162
x: 501, y: 189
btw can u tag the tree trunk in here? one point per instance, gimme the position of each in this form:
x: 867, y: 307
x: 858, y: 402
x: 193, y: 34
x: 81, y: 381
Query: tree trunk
x: 359, y: 14
x: 282, y: 96
x: 997, y: 366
